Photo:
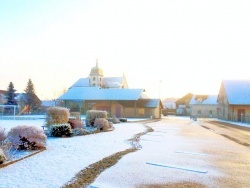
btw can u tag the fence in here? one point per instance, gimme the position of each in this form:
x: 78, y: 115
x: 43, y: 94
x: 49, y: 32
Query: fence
x: 235, y: 117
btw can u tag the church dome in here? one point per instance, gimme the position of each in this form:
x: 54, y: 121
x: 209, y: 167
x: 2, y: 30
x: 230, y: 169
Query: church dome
x: 96, y: 70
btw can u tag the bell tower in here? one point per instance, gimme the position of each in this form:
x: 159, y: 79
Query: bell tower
x: 96, y: 76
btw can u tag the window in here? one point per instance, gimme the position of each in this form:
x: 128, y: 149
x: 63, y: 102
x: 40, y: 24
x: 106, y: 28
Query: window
x: 210, y: 112
x: 224, y: 113
x: 199, y: 111
x: 93, y: 78
x: 199, y: 101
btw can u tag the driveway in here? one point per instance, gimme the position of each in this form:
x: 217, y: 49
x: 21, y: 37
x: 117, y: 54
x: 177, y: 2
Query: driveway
x: 181, y: 153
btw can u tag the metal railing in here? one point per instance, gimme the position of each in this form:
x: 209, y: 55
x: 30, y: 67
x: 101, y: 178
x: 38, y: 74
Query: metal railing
x: 235, y: 117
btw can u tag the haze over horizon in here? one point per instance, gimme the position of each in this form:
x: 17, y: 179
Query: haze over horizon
x: 169, y: 48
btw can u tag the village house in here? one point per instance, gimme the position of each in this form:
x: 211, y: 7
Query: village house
x: 234, y: 100
x: 3, y: 97
x: 169, y: 106
x: 182, y: 105
x: 111, y: 94
x: 204, y: 106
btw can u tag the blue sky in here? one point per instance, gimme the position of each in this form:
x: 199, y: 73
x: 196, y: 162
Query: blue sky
x: 169, y: 48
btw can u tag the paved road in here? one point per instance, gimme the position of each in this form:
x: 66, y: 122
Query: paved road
x: 236, y: 133
x: 183, y: 153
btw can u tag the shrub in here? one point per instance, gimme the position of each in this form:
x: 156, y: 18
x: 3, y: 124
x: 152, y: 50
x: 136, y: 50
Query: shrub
x: 115, y: 120
x: 91, y: 115
x: 57, y: 115
x: 79, y: 131
x: 110, y: 124
x: 77, y: 115
x: 123, y: 119
x: 2, y: 156
x: 75, y: 123
x: 101, y: 123
x: 59, y: 130
x: 6, y: 148
x: 75, y: 120
x: 26, y: 137
x: 3, y: 135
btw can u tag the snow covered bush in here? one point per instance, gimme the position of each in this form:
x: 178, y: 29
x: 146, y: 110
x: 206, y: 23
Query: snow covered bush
x: 2, y: 156
x: 75, y: 120
x: 2, y: 135
x: 26, y: 137
x: 91, y: 115
x: 123, y: 119
x: 59, y: 130
x: 115, y: 120
x: 75, y: 123
x: 77, y: 115
x: 57, y: 115
x: 101, y: 124
x: 79, y: 131
x: 6, y: 147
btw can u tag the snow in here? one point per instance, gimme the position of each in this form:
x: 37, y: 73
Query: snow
x: 176, y: 156
x: 64, y: 157
x: 242, y: 124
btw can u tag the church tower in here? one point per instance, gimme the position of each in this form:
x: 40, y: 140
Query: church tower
x: 96, y: 76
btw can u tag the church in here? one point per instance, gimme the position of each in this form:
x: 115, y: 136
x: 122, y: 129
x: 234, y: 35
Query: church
x: 111, y: 94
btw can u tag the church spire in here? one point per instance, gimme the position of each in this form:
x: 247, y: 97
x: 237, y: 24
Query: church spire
x: 96, y: 62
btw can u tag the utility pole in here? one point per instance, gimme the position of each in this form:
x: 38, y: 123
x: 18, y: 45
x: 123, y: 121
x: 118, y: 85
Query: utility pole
x: 160, y: 82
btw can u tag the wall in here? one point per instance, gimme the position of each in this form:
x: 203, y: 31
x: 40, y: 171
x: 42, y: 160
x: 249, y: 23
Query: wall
x: 116, y: 109
x: 205, y: 110
x: 223, y: 107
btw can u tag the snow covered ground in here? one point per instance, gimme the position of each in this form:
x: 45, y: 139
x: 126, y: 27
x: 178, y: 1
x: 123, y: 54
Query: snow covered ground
x: 235, y: 123
x: 163, y: 152
x: 64, y: 157
x: 178, y: 150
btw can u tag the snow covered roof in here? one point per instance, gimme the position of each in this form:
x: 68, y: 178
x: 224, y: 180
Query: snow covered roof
x: 144, y: 96
x: 95, y: 93
x: 111, y: 82
x: 149, y: 103
x: 237, y: 91
x: 170, y: 100
x: 48, y: 103
x: 209, y: 100
x: 82, y: 82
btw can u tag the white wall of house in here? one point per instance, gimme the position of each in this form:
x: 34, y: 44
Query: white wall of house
x: 205, y: 111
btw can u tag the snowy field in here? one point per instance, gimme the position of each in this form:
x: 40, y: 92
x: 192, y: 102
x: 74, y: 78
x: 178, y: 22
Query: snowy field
x: 64, y: 157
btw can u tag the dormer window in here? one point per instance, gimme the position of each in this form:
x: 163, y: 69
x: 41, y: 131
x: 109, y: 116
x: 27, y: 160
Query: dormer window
x: 199, y: 101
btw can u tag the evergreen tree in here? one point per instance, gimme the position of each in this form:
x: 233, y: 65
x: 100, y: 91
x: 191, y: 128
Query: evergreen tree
x: 11, y: 95
x: 31, y: 99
